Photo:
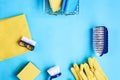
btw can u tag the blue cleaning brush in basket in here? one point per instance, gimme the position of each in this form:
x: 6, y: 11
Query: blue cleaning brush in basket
x: 100, y: 40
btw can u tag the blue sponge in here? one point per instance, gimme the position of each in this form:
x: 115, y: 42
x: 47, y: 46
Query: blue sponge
x: 71, y: 6
x: 64, y: 2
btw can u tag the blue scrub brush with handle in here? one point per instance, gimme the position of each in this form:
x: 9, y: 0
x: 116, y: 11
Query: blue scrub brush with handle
x: 100, y: 40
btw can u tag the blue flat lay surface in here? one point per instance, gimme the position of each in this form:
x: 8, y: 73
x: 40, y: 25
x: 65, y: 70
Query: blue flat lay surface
x: 63, y: 40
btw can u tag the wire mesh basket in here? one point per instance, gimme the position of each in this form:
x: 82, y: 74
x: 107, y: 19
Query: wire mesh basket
x: 49, y: 11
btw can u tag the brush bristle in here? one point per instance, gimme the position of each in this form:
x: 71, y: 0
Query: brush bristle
x: 53, y: 71
x: 100, y: 40
x: 29, y: 41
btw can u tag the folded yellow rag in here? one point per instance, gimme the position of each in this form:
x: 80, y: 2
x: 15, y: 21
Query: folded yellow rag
x: 55, y: 5
x: 11, y: 31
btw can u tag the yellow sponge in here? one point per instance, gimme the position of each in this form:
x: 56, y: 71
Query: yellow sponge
x: 55, y: 5
x: 30, y: 72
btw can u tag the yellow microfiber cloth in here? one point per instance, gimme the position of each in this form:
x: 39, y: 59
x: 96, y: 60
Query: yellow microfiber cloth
x: 11, y: 31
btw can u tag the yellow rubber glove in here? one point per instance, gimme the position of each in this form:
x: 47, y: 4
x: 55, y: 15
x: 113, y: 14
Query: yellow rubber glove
x: 77, y: 70
x: 88, y: 72
x: 74, y: 73
x: 82, y: 73
x: 98, y: 68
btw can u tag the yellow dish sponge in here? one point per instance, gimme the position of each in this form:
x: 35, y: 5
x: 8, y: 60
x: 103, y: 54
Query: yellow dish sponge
x: 29, y: 72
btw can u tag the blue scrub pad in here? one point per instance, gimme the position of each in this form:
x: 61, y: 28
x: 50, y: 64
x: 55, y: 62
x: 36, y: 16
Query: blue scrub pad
x: 64, y: 2
x: 71, y: 6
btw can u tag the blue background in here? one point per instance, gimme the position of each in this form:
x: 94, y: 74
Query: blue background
x: 63, y: 40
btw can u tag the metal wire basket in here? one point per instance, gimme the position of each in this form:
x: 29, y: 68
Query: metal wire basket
x: 49, y: 11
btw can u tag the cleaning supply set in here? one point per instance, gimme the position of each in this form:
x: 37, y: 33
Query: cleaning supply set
x: 21, y: 42
x: 88, y: 71
x: 62, y: 7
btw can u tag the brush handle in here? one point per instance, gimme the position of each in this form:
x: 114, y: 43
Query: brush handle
x: 57, y: 75
x: 26, y: 45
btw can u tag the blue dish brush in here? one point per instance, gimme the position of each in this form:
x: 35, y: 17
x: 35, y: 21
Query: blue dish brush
x: 100, y: 40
